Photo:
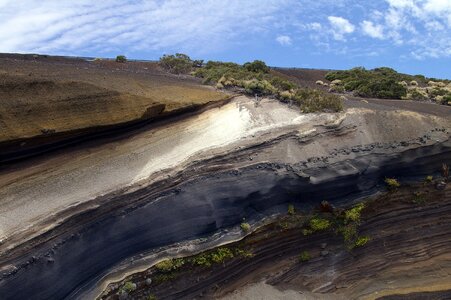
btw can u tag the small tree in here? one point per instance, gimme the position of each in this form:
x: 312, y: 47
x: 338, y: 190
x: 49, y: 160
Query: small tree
x: 121, y: 59
x: 178, y: 64
x: 256, y: 66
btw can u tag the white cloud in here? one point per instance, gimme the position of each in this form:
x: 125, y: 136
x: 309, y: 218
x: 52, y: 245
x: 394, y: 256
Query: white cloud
x: 284, y: 40
x: 340, y: 27
x: 314, y: 26
x: 82, y: 27
x: 422, y: 25
x: 372, y: 30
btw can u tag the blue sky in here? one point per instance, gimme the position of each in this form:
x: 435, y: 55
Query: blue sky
x: 412, y: 36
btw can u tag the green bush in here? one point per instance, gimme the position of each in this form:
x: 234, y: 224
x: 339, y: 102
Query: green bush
x: 245, y: 227
x: 311, y: 100
x: 170, y: 264
x: 221, y: 254
x: 256, y: 66
x: 392, y: 183
x: 261, y: 87
x: 291, y: 210
x: 446, y: 99
x: 304, y: 256
x: 378, y: 83
x: 349, y: 232
x: 319, y: 224
x: 178, y: 64
x: 128, y: 287
x: 353, y: 214
x: 361, y: 241
x: 416, y: 95
x: 121, y: 59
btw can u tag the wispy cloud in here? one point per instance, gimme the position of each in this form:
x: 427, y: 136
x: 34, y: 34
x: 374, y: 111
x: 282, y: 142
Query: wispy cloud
x: 284, y: 40
x: 87, y: 26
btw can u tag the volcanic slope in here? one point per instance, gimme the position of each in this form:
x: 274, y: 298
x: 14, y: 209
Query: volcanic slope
x: 90, y: 209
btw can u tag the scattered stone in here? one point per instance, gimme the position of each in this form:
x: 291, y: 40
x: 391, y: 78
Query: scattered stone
x: 50, y: 260
x: 324, y: 253
x: 46, y: 131
x: 148, y: 281
x: 123, y: 296
x: 323, y: 245
x: 441, y: 185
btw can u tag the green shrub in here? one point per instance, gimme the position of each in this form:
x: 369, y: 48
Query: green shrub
x: 306, y: 231
x: 319, y: 224
x: 291, y: 210
x: 201, y: 260
x: 256, y: 66
x: 429, y: 179
x: 245, y: 227
x: 361, y: 241
x: 304, y: 256
x: 418, y: 198
x: 378, y: 83
x: 243, y: 253
x: 392, y: 183
x: 416, y: 95
x: 261, y: 87
x: 353, y: 214
x: 151, y: 297
x: 349, y: 232
x: 446, y: 99
x: 121, y: 59
x: 170, y: 264
x: 177, y: 64
x: 311, y: 100
x: 221, y: 254
x: 128, y: 287
x: 282, y: 84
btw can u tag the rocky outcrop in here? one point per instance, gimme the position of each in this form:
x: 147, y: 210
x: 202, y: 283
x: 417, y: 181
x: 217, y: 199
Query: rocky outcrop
x: 213, y: 194
x: 408, y: 251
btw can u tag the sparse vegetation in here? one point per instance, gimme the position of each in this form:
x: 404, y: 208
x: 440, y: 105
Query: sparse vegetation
x: 291, y: 210
x: 353, y: 214
x: 418, y: 198
x: 311, y: 100
x: 361, y: 241
x: 392, y: 183
x: 304, y: 256
x: 121, y: 59
x: 245, y: 227
x: 128, y: 287
x: 428, y: 179
x: 255, y: 78
x: 387, y: 83
x: 170, y: 264
x: 319, y: 224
